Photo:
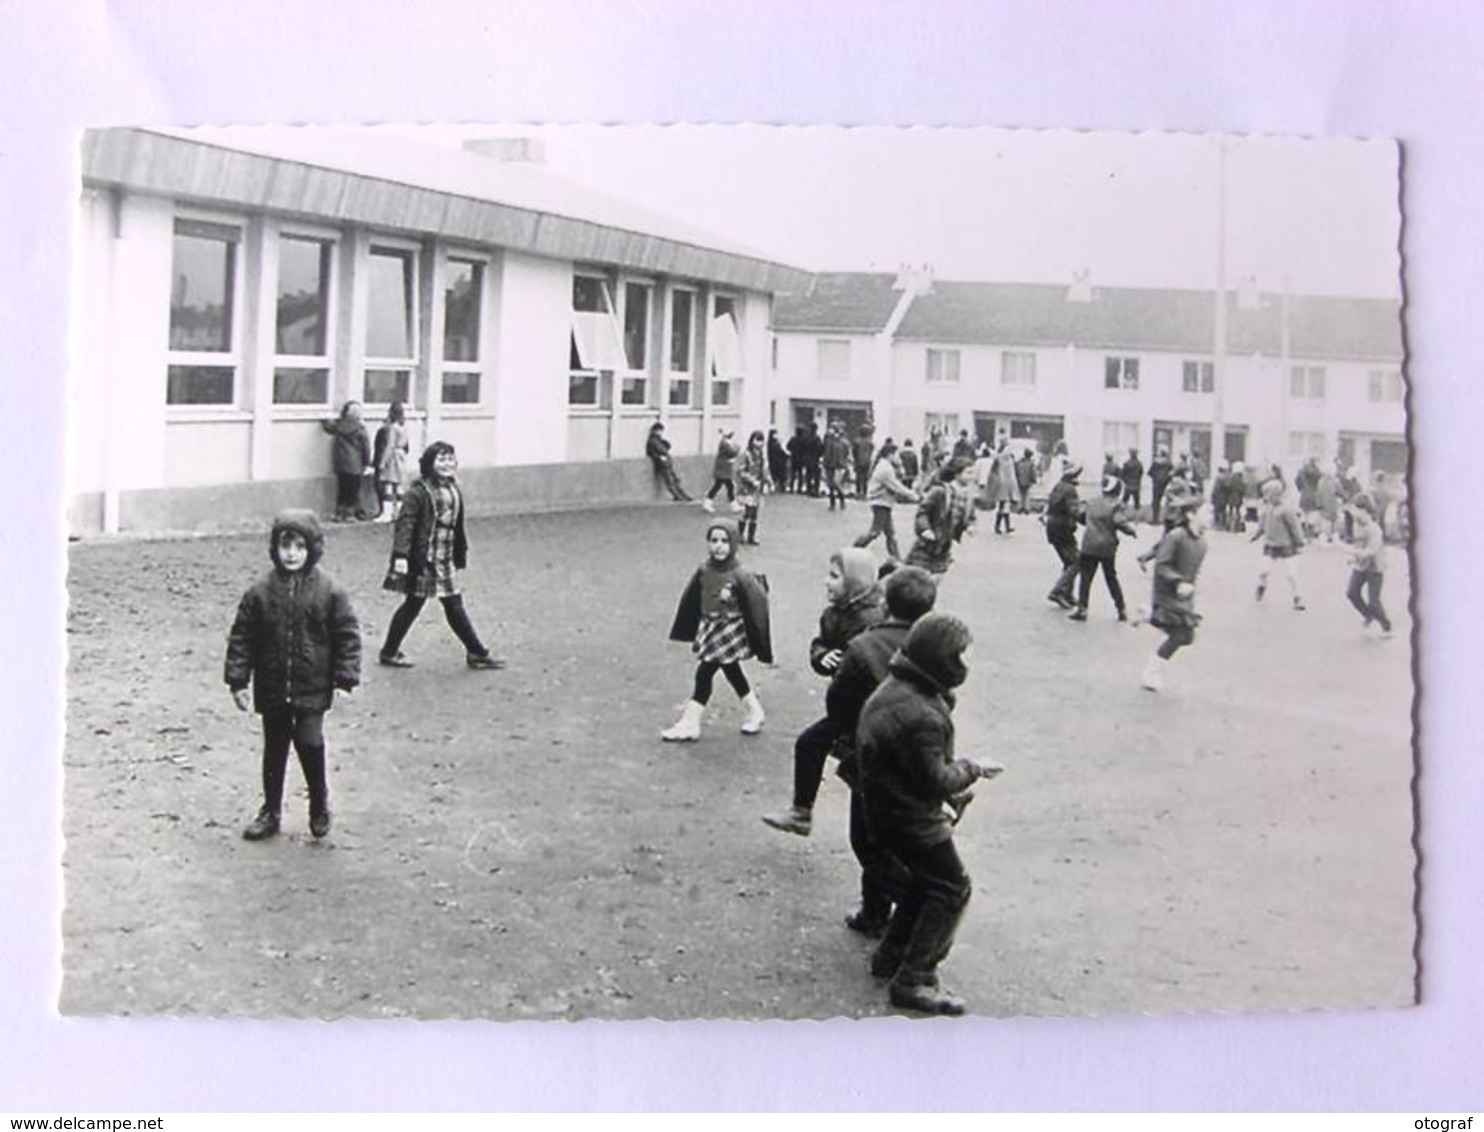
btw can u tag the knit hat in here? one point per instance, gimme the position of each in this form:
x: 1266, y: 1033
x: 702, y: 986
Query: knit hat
x: 910, y: 592
x: 303, y: 523
x: 858, y: 572
x: 936, y: 645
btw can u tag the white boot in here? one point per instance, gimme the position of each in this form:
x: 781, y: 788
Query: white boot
x: 708, y: 506
x: 754, y: 721
x: 1153, y: 678
x: 687, y: 728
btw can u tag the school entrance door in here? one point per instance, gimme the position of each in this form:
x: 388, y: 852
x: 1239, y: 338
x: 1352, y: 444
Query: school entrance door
x: 852, y: 414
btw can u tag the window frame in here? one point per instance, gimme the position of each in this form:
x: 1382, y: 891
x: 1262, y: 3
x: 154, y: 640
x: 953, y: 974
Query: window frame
x: 232, y: 358
x: 473, y: 369
x: 819, y: 367
x: 943, y: 354
x: 947, y: 424
x: 1204, y: 374
x: 1025, y: 360
x: 330, y: 242
x: 1118, y: 440
x: 1304, y: 377
x: 602, y: 334
x: 1122, y: 370
x: 685, y: 379
x: 1384, y: 386
x: 1301, y: 448
x: 626, y: 378
x: 400, y: 248
x: 722, y: 383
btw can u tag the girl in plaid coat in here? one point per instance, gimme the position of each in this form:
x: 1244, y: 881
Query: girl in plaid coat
x: 724, y: 614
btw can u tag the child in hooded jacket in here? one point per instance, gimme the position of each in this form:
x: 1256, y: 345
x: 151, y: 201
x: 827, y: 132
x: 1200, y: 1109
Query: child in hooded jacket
x: 752, y: 480
x: 905, y: 748
x: 854, y: 605
x: 724, y: 614
x: 943, y: 517
x: 295, y: 640
x: 350, y: 459
x: 1282, y: 535
x: 724, y: 471
x: 1104, y: 517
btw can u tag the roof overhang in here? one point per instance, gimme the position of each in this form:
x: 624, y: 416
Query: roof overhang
x: 164, y: 164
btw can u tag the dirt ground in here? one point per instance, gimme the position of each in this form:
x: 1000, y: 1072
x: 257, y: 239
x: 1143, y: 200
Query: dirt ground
x: 520, y: 845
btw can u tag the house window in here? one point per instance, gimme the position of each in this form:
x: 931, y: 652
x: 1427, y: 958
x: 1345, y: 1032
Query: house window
x: 945, y: 423
x: 463, y: 300
x: 1385, y: 385
x: 1302, y: 445
x: 1120, y: 373
x: 201, y: 367
x: 301, y: 361
x: 1120, y: 436
x: 391, y: 324
x: 596, y: 343
x: 1306, y: 383
x: 682, y: 347
x: 1018, y: 368
x: 834, y: 359
x: 942, y: 365
x: 1198, y: 377
x: 727, y: 365
x: 637, y: 298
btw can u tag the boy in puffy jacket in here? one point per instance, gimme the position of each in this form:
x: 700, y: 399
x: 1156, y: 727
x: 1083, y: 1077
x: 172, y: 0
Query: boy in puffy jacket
x: 295, y: 640
x: 1104, y: 517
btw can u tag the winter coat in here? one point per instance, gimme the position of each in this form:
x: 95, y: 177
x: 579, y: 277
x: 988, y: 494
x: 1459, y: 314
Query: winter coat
x: 295, y: 638
x: 657, y: 448
x: 1177, y: 559
x: 350, y: 455
x: 841, y: 624
x: 1105, y: 518
x: 725, y: 466
x: 1282, y: 534
x: 1002, y: 487
x: 904, y: 749
x: 752, y: 476
x: 1160, y: 472
x: 884, y: 487
x: 944, y: 512
x: 836, y: 451
x: 861, y: 449
x: 414, y: 530
x: 1025, y: 472
x: 1063, y: 506
x: 752, y: 602
x: 909, y: 464
x: 861, y: 671
x: 390, y: 458
x: 1132, y: 473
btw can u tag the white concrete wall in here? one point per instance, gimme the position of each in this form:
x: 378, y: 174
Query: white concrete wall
x: 531, y: 353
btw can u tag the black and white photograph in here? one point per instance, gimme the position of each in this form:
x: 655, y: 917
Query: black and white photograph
x: 1041, y: 498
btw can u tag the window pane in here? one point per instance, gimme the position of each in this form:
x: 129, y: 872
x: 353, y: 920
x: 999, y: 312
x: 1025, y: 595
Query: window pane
x: 682, y: 329
x: 582, y: 389
x: 384, y: 386
x: 461, y: 388
x: 590, y: 293
x: 834, y: 359
x: 636, y: 326
x: 201, y: 293
x: 301, y: 386
x: 721, y: 392
x: 390, y: 310
x: 303, y: 296
x: 632, y: 392
x: 951, y: 369
x: 1111, y: 372
x: 461, y: 302
x: 199, y: 385
x: 680, y: 393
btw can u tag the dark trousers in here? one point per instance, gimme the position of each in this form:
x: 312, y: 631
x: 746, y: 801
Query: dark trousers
x: 1156, y: 497
x: 811, y: 479
x: 717, y: 484
x: 811, y: 749
x: 1066, y: 550
x: 884, y: 879
x: 796, y: 477
x: 1369, y: 605
x: 832, y: 477
x: 305, y: 730
x: 922, y: 928
x: 747, y: 528
x: 1175, y: 640
x: 666, y: 471
x: 453, y: 612
x: 347, y: 494
x: 862, y: 474
x: 881, y: 524
x: 706, y: 677
x: 1087, y: 567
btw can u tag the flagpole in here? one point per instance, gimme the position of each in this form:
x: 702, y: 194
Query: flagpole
x: 1218, y: 364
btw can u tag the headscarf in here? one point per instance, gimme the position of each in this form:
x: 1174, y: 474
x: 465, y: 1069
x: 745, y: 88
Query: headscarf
x: 858, y: 572
x: 717, y: 577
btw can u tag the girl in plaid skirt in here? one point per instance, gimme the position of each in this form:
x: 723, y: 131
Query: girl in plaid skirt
x: 429, y: 546
x: 724, y: 614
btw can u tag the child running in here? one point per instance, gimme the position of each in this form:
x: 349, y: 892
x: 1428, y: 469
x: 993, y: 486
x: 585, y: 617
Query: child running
x: 429, y: 547
x: 1063, y: 508
x: 854, y: 599
x: 295, y: 639
x: 724, y: 613
x: 1282, y: 538
x: 724, y: 471
x: 1177, y: 562
x: 907, y: 773
x: 1368, y: 566
x: 910, y: 594
x: 752, y: 480
x: 884, y: 488
x: 1105, y: 518
x: 943, y: 516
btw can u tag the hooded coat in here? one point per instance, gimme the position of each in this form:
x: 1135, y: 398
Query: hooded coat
x: 295, y: 638
x: 857, y: 609
x: 750, y: 590
x: 904, y: 740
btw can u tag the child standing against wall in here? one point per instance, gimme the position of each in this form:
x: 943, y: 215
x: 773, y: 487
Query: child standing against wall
x: 295, y: 640
x: 390, y: 461
x: 724, y: 614
x: 350, y: 459
x: 854, y: 604
x: 429, y: 547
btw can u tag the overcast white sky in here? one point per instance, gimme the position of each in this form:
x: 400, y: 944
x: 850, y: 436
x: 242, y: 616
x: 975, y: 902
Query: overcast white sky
x: 1013, y: 205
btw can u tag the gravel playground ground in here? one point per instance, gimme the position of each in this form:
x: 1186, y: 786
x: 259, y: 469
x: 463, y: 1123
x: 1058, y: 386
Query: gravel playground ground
x: 520, y: 845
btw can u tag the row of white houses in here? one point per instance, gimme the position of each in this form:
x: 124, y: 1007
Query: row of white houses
x: 235, y: 287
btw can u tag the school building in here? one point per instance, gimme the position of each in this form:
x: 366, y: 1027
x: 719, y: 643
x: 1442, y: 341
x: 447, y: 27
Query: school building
x: 236, y: 286
x: 1104, y: 368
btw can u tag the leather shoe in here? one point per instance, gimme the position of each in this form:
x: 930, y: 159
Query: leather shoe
x: 394, y: 660
x: 262, y: 827
x: 319, y: 823
x: 475, y: 660
x: 926, y: 999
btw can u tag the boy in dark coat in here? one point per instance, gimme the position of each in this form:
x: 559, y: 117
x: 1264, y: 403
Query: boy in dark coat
x: 1063, y: 507
x: 910, y: 594
x: 907, y: 773
x: 350, y: 459
x: 295, y: 639
x: 1105, y: 518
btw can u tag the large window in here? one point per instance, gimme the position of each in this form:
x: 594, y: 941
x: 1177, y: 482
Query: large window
x: 945, y: 423
x: 597, y: 348
x: 1018, y: 368
x: 1120, y: 436
x: 1198, y: 377
x: 682, y: 348
x: 463, y: 300
x: 1120, y: 373
x: 201, y: 368
x: 391, y: 324
x: 1385, y: 385
x: 301, y: 340
x: 637, y: 297
x: 942, y: 365
x: 834, y: 359
x: 727, y: 365
x: 1302, y: 445
x: 1306, y: 383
